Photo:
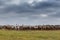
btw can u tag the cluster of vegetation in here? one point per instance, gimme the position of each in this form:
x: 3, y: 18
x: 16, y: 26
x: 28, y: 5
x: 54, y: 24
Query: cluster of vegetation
x: 36, y: 27
x: 30, y: 32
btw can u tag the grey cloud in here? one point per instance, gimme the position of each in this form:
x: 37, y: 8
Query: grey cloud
x: 28, y: 8
x: 28, y: 12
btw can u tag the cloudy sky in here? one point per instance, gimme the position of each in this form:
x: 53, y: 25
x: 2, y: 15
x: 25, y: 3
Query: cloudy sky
x: 30, y: 12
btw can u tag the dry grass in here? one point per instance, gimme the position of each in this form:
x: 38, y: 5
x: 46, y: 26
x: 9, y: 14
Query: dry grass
x: 29, y: 35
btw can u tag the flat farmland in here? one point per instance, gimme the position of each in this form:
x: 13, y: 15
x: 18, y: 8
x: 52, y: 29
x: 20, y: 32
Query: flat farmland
x: 29, y: 35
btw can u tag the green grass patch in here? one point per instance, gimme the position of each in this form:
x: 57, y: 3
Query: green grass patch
x: 29, y: 35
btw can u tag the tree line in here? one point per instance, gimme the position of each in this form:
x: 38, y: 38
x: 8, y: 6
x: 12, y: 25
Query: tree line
x: 36, y: 27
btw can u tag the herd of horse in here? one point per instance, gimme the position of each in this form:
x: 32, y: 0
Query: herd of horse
x: 36, y: 27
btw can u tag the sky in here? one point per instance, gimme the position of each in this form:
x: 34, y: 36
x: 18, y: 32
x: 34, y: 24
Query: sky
x: 29, y: 12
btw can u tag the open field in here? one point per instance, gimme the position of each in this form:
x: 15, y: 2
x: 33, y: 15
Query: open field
x: 29, y: 35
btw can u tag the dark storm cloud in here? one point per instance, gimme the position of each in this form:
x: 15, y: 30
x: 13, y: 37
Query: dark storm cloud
x: 25, y: 7
x: 37, y: 11
x: 35, y: 7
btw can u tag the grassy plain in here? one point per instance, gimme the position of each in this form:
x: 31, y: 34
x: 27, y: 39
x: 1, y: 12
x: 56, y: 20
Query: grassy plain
x: 29, y: 35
